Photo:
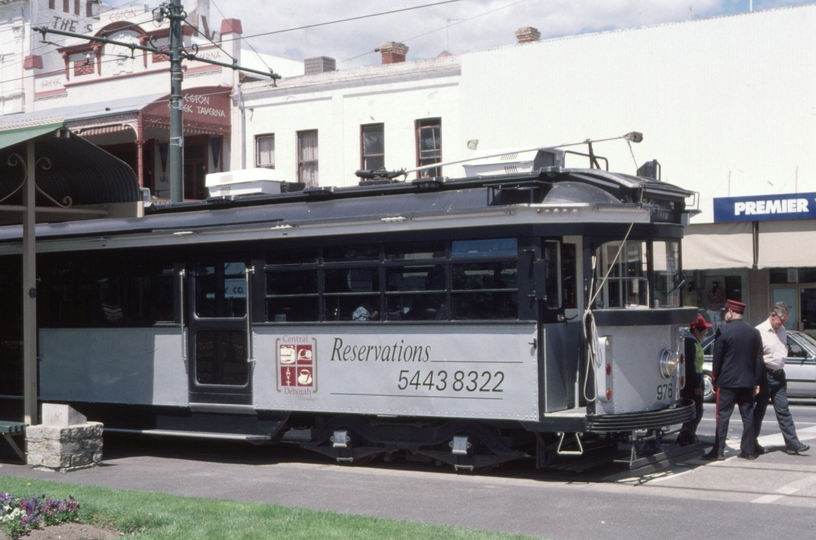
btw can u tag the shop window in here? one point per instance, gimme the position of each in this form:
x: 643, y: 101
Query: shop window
x: 372, y: 145
x: 265, y: 151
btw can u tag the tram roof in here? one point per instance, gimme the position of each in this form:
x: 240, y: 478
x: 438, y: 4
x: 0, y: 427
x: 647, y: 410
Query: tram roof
x: 547, y: 186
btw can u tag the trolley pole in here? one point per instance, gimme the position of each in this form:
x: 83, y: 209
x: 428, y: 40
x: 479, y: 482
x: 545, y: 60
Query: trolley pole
x: 175, y: 12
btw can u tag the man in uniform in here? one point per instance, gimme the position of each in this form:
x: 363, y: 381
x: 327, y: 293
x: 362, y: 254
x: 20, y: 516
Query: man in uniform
x: 774, y: 385
x: 737, y: 368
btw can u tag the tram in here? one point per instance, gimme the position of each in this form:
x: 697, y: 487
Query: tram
x: 471, y: 321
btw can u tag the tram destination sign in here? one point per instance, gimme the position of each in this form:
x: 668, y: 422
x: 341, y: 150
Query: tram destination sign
x: 765, y: 207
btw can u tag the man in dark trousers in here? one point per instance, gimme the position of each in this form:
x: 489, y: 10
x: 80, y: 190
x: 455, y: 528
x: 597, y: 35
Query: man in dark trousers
x: 775, y: 385
x: 737, y: 370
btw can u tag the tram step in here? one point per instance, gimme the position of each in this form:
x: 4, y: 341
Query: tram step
x: 249, y: 437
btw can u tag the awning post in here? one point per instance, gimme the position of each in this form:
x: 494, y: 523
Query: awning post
x: 30, y: 290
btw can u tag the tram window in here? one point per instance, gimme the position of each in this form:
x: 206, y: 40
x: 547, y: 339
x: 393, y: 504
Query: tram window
x: 79, y: 293
x: 292, y: 256
x: 150, y: 295
x: 292, y: 296
x: 415, y: 251
x: 626, y: 270
x: 485, y: 291
x: 345, y: 290
x: 221, y: 290
x: 568, y: 276
x: 355, y: 253
x: 667, y: 273
x: 415, y: 292
x: 494, y: 247
x: 221, y: 357
x: 552, y: 257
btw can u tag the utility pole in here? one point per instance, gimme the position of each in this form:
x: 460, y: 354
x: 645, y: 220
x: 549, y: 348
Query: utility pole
x: 174, y: 12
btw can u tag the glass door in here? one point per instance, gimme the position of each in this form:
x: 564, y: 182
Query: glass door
x: 807, y: 304
x: 220, y: 346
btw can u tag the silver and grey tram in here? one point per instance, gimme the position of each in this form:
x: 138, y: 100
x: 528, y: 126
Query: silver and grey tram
x: 468, y: 321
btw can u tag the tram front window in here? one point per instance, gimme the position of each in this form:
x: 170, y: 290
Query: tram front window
x: 638, y: 273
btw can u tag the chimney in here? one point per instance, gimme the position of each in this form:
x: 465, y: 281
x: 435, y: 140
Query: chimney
x: 527, y: 34
x: 231, y: 26
x: 392, y: 52
x: 321, y: 64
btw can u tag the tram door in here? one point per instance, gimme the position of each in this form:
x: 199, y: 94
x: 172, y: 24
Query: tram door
x: 219, y: 342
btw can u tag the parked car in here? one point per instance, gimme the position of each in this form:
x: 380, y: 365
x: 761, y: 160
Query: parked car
x: 800, y: 367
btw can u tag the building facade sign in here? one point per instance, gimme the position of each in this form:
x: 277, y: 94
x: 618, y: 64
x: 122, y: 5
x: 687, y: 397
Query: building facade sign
x: 765, y: 207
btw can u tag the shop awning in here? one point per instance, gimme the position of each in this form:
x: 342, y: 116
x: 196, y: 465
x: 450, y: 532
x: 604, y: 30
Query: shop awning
x: 72, y: 175
x: 779, y: 244
x: 787, y: 244
x: 712, y: 246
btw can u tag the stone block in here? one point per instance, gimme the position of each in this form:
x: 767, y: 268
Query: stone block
x: 65, y: 448
x: 55, y: 414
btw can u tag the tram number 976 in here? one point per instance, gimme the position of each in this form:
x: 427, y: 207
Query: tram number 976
x: 665, y: 391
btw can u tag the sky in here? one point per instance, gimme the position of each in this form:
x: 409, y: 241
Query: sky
x: 456, y: 26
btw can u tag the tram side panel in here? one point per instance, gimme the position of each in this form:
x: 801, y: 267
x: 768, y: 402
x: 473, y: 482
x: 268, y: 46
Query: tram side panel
x: 471, y: 371
x: 134, y: 366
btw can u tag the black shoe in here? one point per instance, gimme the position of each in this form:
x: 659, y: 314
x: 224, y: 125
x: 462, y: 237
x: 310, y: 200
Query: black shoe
x: 712, y: 457
x: 747, y: 456
x: 798, y: 449
x: 759, y: 449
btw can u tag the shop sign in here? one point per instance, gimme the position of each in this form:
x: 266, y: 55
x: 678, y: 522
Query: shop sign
x: 765, y: 207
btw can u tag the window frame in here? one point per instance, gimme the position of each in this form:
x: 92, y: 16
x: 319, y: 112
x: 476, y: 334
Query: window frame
x: 366, y: 156
x: 258, y: 152
x: 303, y: 162
x: 420, y: 126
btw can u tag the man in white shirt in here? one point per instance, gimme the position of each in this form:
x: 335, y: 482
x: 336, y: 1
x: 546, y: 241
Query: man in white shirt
x: 775, y: 386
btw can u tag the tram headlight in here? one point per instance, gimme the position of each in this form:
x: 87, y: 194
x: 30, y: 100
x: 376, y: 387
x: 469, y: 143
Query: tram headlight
x: 668, y: 363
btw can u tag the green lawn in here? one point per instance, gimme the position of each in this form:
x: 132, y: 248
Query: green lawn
x: 168, y: 517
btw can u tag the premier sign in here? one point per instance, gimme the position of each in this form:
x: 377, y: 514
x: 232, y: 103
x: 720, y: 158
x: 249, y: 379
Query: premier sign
x: 765, y: 207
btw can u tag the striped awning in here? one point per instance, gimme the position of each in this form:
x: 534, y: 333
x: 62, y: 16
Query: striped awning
x: 70, y: 172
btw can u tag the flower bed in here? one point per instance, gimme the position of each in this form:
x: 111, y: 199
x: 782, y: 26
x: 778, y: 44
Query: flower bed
x: 19, y: 515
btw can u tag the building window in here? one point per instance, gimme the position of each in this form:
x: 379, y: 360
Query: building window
x: 372, y: 144
x: 429, y: 145
x: 307, y: 157
x: 89, y: 10
x: 265, y: 151
x: 76, y: 8
x: 52, y: 4
x: 66, y: 6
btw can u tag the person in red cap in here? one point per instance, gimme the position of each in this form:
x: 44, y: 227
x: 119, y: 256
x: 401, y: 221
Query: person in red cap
x: 737, y: 368
x: 693, y: 389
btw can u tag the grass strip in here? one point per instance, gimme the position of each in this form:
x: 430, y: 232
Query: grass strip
x: 170, y: 517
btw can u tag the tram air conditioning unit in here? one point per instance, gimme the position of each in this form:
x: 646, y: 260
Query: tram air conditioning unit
x: 244, y: 182
x: 516, y: 162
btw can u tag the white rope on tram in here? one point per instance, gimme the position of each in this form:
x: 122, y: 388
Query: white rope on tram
x: 589, y: 318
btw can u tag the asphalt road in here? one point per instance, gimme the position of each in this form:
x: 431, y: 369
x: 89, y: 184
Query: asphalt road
x: 776, y: 494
